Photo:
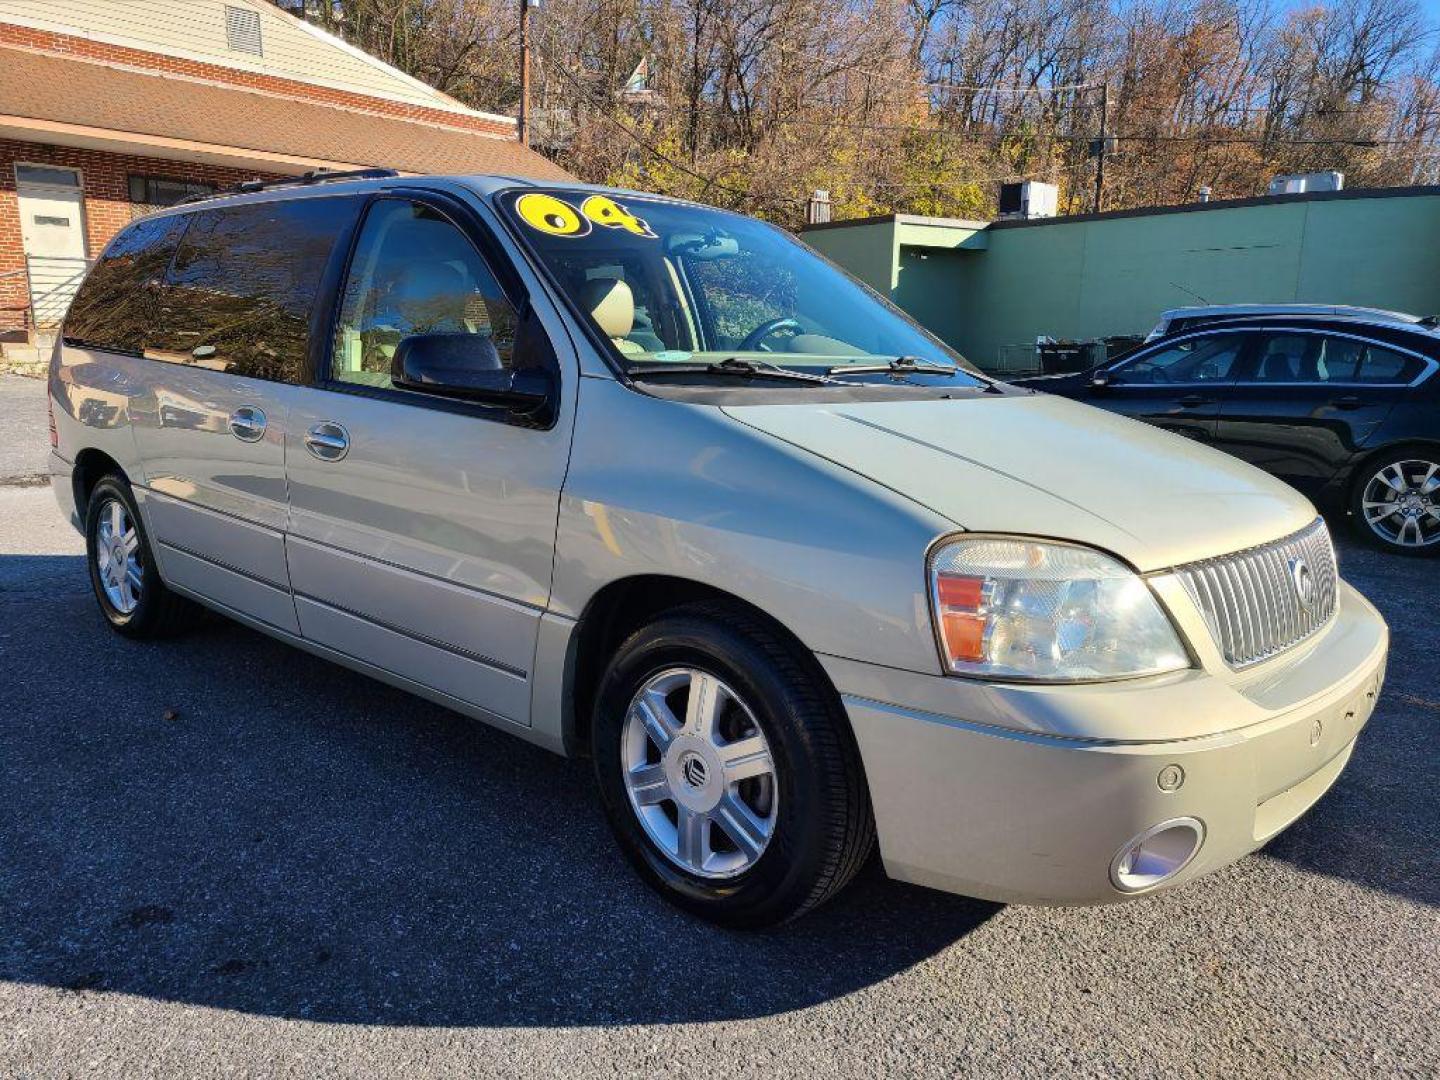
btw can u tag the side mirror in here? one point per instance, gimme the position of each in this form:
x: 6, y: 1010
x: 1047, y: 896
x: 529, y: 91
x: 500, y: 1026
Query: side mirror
x: 467, y: 366
x: 1100, y: 379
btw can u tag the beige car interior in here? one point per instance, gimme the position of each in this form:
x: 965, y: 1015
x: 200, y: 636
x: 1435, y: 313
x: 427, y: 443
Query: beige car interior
x: 612, y: 305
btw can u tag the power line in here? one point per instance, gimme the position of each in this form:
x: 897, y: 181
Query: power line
x: 1067, y: 136
x: 934, y: 85
x: 711, y: 182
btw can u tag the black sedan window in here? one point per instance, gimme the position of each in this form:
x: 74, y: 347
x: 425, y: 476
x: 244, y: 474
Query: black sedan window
x: 1297, y: 358
x: 1387, y: 366
x: 1192, y: 360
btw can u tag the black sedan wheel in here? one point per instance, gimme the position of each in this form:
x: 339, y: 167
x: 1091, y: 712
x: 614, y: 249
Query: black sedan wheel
x: 1397, y: 502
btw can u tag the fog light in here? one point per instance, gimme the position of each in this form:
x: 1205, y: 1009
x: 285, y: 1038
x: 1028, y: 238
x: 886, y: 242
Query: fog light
x: 1157, y: 854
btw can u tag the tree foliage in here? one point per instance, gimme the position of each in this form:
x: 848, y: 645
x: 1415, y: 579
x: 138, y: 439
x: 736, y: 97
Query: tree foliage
x: 923, y: 106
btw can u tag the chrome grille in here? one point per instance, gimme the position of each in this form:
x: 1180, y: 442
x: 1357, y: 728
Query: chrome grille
x: 1251, y: 599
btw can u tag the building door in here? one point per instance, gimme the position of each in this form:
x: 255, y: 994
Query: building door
x: 52, y: 232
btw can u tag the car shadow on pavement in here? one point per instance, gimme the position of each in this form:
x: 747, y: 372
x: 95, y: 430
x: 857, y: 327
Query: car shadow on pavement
x: 225, y: 821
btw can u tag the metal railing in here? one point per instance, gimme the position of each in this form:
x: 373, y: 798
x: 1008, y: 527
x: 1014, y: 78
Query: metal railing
x: 53, y: 281
x: 27, y: 317
x: 49, y: 284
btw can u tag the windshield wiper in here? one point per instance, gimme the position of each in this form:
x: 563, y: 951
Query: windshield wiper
x: 741, y: 366
x: 901, y: 365
x: 734, y: 367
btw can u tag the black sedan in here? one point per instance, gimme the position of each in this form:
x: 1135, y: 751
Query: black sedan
x: 1347, y: 411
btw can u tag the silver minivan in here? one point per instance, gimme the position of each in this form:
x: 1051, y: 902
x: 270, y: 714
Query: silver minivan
x: 650, y: 482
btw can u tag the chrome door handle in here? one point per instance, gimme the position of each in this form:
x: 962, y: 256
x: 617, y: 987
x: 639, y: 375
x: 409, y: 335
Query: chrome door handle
x: 328, y: 441
x: 247, y: 423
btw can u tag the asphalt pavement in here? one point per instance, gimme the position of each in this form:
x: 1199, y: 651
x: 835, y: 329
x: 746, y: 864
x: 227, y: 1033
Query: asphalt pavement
x: 221, y: 855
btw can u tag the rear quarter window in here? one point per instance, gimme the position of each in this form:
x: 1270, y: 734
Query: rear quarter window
x: 116, y: 306
x: 1387, y: 366
x: 242, y: 284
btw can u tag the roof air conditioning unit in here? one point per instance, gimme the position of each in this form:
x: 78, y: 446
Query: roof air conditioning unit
x: 1028, y: 199
x: 1300, y: 183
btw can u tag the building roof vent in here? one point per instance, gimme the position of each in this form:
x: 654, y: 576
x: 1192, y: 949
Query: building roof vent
x: 1028, y: 199
x: 1299, y: 183
x: 242, y: 30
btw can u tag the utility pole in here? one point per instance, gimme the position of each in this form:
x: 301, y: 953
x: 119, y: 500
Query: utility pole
x: 524, y: 120
x: 1100, y: 151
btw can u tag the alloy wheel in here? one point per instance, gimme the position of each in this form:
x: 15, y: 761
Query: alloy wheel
x: 699, y: 773
x: 117, y: 557
x: 1401, y: 503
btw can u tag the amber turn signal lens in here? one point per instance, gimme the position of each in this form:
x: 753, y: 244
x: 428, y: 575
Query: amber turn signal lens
x: 964, y: 636
x: 962, y: 620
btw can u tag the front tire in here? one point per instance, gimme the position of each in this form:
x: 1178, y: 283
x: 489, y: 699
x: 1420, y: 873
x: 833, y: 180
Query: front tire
x: 1395, y: 501
x: 133, y: 599
x: 727, y: 768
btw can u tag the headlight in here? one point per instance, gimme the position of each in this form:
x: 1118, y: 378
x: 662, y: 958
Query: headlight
x: 1010, y: 608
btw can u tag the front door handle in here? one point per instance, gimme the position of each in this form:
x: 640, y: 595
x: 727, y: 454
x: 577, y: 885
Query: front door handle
x: 328, y: 441
x: 1349, y: 401
x: 247, y: 423
x: 1191, y: 400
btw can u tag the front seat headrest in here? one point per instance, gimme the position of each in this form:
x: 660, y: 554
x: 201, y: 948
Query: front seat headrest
x: 430, y: 295
x: 612, y: 305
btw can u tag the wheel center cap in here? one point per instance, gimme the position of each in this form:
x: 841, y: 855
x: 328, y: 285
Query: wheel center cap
x: 695, y: 773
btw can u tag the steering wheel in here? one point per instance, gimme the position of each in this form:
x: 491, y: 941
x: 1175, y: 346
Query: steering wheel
x: 764, y: 330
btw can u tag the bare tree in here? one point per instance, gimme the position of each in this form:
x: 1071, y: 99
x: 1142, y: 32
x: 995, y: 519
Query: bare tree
x: 925, y: 105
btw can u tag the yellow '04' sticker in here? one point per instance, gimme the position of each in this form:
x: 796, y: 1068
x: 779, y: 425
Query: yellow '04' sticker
x: 605, y: 211
x: 557, y: 217
x: 551, y: 215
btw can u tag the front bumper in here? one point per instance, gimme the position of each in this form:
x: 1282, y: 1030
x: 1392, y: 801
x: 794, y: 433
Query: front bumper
x: 1006, y: 809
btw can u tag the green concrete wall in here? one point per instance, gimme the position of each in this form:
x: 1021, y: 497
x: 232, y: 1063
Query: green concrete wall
x: 865, y: 249
x: 1091, y: 278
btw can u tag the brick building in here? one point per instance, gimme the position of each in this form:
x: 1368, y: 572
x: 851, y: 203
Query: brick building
x: 111, y: 108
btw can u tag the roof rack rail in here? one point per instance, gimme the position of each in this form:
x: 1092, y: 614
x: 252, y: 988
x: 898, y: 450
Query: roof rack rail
x: 314, y: 176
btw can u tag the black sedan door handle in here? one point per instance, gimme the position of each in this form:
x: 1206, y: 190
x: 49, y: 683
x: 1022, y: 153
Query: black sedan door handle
x: 1349, y: 401
x: 1191, y: 400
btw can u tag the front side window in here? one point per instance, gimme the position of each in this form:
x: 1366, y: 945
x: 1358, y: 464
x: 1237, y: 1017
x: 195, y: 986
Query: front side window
x: 1196, y: 360
x: 669, y: 284
x: 241, y: 286
x: 116, y: 306
x: 414, y: 272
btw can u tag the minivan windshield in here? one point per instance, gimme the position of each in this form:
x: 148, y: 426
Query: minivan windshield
x: 671, y: 285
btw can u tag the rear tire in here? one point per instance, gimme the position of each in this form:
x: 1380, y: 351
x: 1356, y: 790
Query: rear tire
x: 1395, y: 501
x: 747, y: 819
x: 133, y: 599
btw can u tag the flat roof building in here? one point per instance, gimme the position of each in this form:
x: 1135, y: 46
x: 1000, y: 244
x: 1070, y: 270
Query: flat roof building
x: 991, y: 289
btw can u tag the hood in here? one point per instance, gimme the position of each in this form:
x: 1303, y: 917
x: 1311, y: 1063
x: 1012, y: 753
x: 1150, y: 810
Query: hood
x: 1046, y: 466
